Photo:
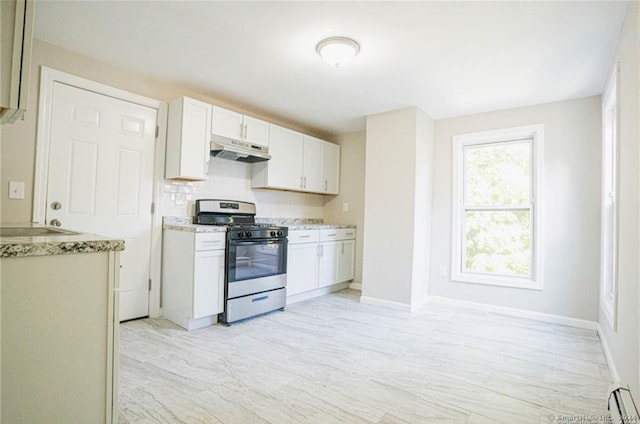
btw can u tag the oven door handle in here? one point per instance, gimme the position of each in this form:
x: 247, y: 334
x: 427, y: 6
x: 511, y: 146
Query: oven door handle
x: 256, y: 242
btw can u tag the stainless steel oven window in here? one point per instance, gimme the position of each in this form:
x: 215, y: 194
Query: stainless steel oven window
x: 256, y: 259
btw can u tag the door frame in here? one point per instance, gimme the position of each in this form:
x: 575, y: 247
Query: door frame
x: 48, y: 77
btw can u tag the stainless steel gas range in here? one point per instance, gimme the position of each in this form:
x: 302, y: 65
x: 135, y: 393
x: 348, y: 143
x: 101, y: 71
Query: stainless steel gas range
x: 255, y: 262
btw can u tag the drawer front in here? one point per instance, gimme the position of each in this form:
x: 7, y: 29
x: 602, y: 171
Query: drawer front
x: 337, y: 234
x: 255, y: 304
x: 303, y: 236
x: 210, y: 241
x: 347, y: 233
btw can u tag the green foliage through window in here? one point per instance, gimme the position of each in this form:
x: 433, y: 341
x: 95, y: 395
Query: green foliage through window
x: 497, y: 200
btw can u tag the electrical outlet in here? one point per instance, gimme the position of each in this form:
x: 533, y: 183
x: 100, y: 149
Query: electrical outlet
x: 16, y: 190
x: 345, y: 207
x: 442, y: 271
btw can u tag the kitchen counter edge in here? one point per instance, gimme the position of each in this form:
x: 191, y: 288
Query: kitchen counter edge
x: 67, y: 244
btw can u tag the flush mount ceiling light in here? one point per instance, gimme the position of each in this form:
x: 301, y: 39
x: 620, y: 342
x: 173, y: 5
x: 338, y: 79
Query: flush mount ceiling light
x: 337, y: 51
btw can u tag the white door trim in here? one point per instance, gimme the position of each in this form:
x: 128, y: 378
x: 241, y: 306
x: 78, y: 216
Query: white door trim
x: 50, y: 76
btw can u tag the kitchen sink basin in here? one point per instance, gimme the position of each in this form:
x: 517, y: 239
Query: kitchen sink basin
x: 33, y: 232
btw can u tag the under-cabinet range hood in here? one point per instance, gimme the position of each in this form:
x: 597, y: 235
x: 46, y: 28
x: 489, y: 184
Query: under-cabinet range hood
x: 240, y: 151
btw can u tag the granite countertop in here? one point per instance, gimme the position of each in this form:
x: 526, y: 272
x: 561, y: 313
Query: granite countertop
x: 184, y: 223
x: 59, y: 244
x: 319, y: 226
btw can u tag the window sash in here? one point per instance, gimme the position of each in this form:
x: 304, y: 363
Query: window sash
x: 534, y: 136
x: 609, y: 192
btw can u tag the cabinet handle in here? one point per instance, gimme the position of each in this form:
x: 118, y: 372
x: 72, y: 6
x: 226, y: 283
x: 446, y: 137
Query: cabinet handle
x: 301, y: 183
x: 305, y: 182
x: 326, y: 185
x: 332, y: 235
x: 307, y: 236
x: 343, y: 248
x: 241, y: 131
x: 258, y: 299
x: 244, y: 136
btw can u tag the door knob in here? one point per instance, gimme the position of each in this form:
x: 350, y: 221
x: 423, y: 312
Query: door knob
x: 55, y: 223
x: 56, y: 206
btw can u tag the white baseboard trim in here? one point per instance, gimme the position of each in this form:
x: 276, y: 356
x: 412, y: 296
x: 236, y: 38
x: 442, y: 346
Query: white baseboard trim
x: 355, y: 286
x: 520, y: 313
x: 299, y: 297
x: 419, y: 304
x: 385, y: 303
x: 613, y: 370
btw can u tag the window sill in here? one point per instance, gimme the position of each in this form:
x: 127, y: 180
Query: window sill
x: 501, y: 281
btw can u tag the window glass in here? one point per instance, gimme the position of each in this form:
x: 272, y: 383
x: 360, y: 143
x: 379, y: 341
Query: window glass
x: 498, y: 174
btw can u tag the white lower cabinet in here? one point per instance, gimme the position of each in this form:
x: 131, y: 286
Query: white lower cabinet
x: 328, y: 273
x: 346, y: 260
x: 319, y: 258
x: 60, y: 338
x: 192, y: 277
x: 302, y: 268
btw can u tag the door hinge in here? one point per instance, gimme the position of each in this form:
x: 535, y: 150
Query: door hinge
x: 153, y: 208
x: 149, y: 284
x: 157, y: 131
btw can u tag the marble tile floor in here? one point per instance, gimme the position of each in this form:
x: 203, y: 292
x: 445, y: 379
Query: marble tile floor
x: 334, y: 360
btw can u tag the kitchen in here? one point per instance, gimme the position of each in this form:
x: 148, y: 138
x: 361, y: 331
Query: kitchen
x: 230, y: 180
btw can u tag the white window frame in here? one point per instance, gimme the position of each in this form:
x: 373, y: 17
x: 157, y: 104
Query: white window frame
x: 535, y: 133
x: 609, y: 300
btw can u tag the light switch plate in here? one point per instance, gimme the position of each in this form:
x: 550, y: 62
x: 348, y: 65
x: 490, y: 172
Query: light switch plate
x: 345, y: 207
x: 16, y: 190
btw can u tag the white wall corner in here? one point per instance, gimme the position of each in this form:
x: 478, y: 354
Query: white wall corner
x: 385, y: 303
x: 419, y: 303
x: 613, y: 369
x: 355, y: 286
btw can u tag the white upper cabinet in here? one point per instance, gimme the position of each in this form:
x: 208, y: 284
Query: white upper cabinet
x: 284, y: 169
x: 235, y: 126
x: 298, y: 162
x: 15, y: 57
x: 188, y: 134
x: 313, y: 165
x: 331, y: 168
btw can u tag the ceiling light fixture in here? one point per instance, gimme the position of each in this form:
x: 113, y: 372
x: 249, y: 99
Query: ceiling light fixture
x: 337, y: 51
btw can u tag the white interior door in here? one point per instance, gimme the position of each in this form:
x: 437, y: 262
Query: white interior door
x: 100, y: 179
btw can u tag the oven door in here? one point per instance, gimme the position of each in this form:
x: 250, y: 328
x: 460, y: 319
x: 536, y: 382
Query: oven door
x: 255, y: 266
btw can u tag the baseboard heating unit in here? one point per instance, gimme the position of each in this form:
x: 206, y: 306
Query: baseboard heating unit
x: 621, y: 405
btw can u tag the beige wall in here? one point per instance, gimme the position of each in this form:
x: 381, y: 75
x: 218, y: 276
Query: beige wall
x: 352, y: 170
x: 571, y: 214
x: 18, y: 140
x: 397, y: 205
x: 623, y: 343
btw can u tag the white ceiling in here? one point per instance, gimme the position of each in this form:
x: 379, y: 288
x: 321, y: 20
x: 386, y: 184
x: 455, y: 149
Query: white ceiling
x: 448, y: 58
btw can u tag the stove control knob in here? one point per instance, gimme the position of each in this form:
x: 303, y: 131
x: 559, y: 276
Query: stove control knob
x: 248, y: 234
x: 241, y: 234
x: 273, y: 233
x: 279, y: 233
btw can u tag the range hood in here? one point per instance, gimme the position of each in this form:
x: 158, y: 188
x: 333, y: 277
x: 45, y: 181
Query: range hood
x: 237, y: 150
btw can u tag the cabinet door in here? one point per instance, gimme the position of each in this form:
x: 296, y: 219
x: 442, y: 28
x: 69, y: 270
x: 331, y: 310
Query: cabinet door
x: 285, y: 167
x: 208, y: 283
x: 302, y: 268
x: 328, y: 264
x: 226, y: 123
x: 331, y: 168
x: 313, y: 165
x: 346, y: 260
x: 256, y: 131
x: 188, y: 134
